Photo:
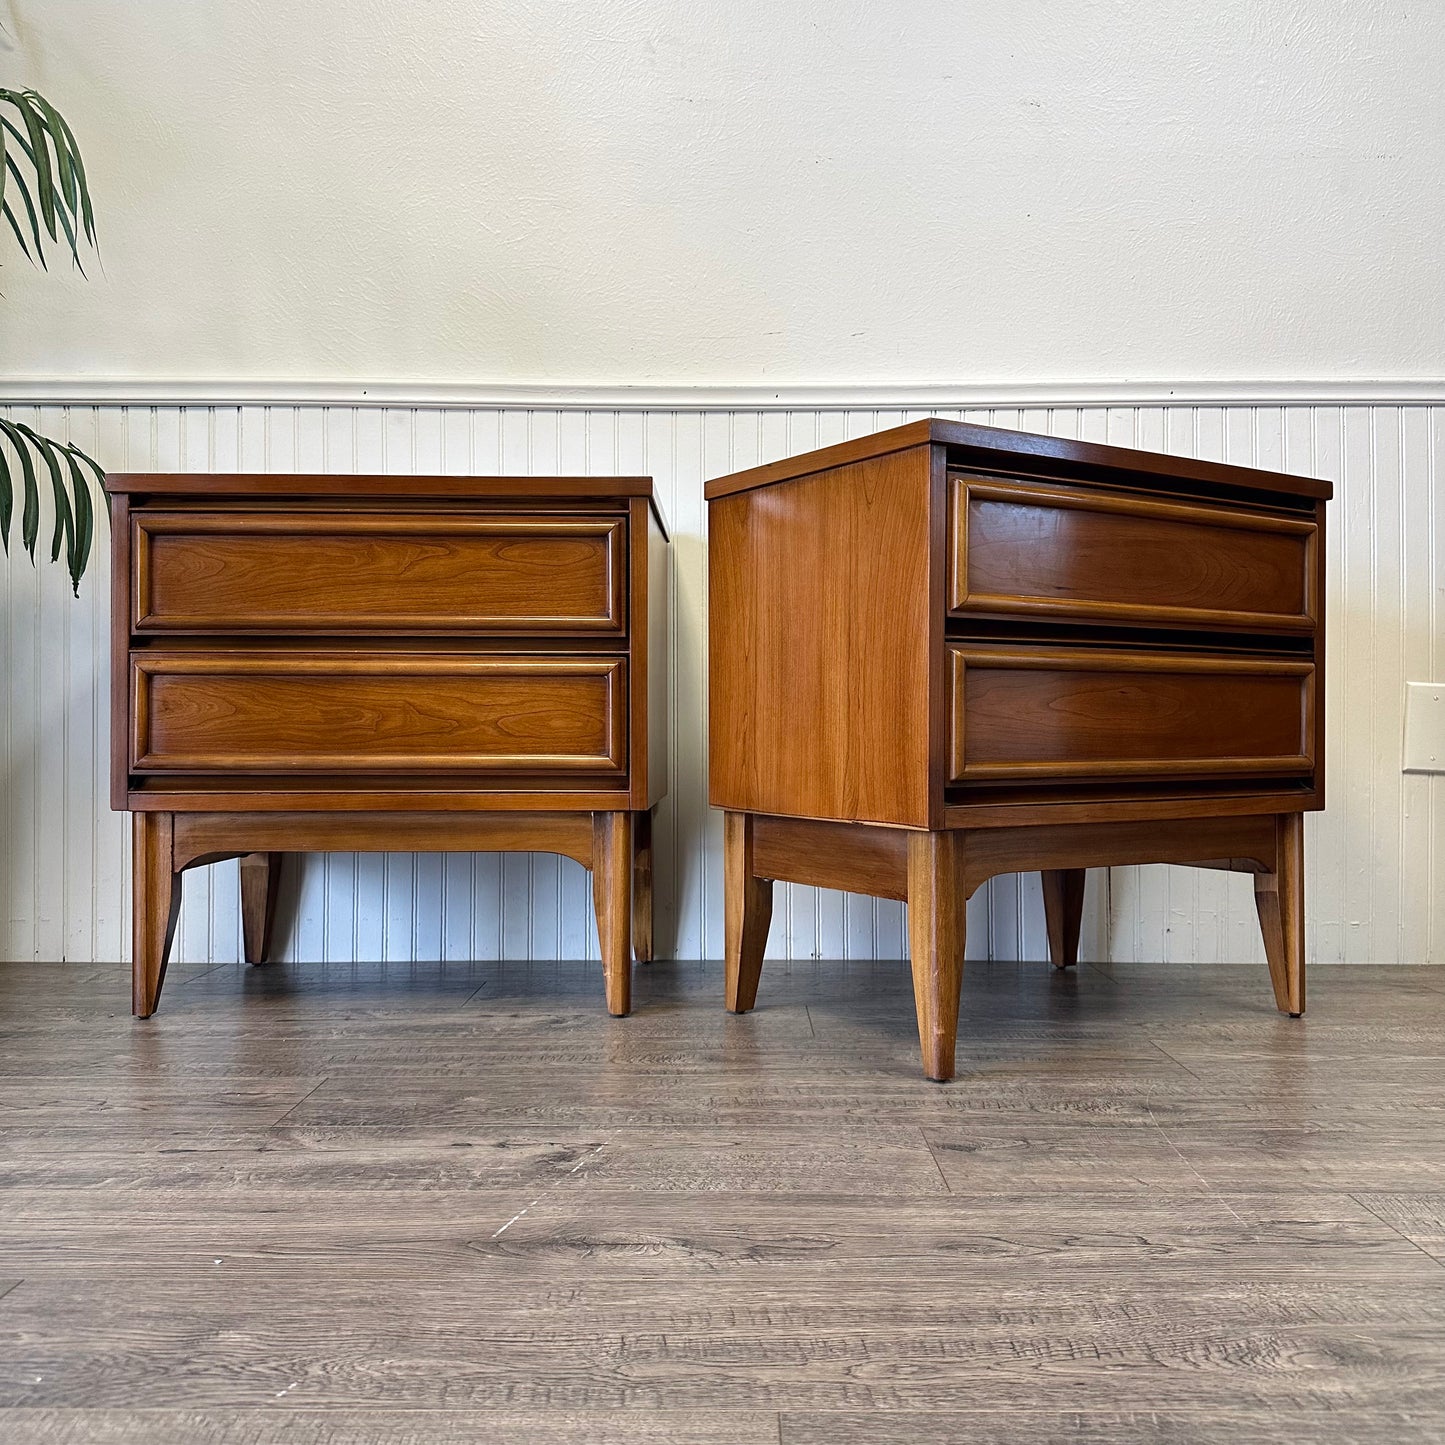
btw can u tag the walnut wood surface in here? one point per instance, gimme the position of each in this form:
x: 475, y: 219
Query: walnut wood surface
x: 748, y: 913
x: 377, y: 663
x: 1050, y: 551
x: 851, y: 856
x: 335, y: 573
x: 387, y: 492
x: 1023, y: 712
x: 155, y: 904
x: 936, y: 935
x: 643, y: 928
x: 382, y: 712
x: 1029, y: 653
x: 612, y: 888
x: 1063, y: 913
x: 991, y: 449
x: 260, y: 884
x: 819, y: 660
x: 1279, y: 897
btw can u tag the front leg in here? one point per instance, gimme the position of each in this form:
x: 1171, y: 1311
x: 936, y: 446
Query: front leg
x: 612, y: 898
x: 936, y: 920
x: 747, y: 912
x: 1280, y: 898
x: 642, y: 926
x: 155, y: 902
x: 260, y: 883
x: 1064, y: 913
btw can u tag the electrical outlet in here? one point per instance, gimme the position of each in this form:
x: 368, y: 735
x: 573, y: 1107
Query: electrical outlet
x: 1424, y: 727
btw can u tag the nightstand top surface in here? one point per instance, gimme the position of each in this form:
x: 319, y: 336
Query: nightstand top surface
x: 988, y: 448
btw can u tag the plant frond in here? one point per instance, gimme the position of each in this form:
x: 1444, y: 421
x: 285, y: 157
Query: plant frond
x: 73, y: 502
x: 52, y: 180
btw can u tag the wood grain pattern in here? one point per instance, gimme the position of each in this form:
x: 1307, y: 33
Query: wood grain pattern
x: 302, y: 571
x: 1147, y: 1209
x: 1092, y: 713
x: 819, y: 661
x: 1021, y: 732
x: 1279, y: 896
x: 157, y: 899
x: 1064, y: 913
x: 445, y: 662
x: 982, y: 447
x: 199, y: 712
x: 1032, y: 550
x: 612, y: 888
x: 936, y: 923
x: 853, y: 857
x: 749, y: 915
x: 260, y: 884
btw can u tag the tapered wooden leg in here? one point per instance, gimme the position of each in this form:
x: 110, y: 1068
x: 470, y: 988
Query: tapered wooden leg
x: 612, y: 897
x: 1063, y: 913
x: 936, y: 907
x: 642, y: 886
x: 260, y: 881
x: 1280, y: 899
x: 156, y: 899
x: 747, y: 913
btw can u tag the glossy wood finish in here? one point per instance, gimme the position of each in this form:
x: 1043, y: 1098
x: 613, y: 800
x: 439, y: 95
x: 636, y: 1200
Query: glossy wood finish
x: 1035, y: 550
x: 370, y: 664
x: 748, y: 912
x: 818, y: 640
x: 1093, y: 713
x: 1148, y: 1210
x: 946, y: 652
x: 303, y: 571
x: 1063, y: 913
x: 260, y: 884
x: 381, y: 711
x: 1279, y: 895
x: 612, y: 888
x: 936, y: 936
x: 156, y: 900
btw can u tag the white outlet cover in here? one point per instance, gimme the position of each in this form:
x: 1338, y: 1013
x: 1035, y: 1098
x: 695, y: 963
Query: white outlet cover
x: 1424, y: 750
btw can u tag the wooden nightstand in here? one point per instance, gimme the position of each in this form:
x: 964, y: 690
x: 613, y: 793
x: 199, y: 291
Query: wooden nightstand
x: 312, y: 663
x: 946, y: 652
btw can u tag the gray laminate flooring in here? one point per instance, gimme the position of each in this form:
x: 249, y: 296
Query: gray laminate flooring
x: 455, y: 1202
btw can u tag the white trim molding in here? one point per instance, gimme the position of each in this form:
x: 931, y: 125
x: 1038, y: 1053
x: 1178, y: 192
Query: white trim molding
x: 789, y: 396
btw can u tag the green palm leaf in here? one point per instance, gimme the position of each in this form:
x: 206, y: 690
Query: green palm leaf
x: 40, y: 163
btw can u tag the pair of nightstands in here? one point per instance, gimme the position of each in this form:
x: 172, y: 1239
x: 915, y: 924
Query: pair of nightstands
x: 937, y: 654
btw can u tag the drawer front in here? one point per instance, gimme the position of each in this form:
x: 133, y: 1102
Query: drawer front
x: 1082, y: 713
x: 1028, y: 549
x: 313, y: 572
x: 195, y: 712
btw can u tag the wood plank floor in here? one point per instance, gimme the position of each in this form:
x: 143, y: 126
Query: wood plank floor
x: 402, y: 1204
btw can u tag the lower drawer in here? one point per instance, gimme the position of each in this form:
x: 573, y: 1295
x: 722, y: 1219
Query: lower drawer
x: 1088, y: 713
x: 197, y: 712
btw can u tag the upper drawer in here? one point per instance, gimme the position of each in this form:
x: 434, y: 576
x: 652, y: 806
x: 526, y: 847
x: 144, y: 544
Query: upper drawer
x: 320, y: 572
x: 305, y: 712
x: 1079, y: 712
x: 1025, y: 548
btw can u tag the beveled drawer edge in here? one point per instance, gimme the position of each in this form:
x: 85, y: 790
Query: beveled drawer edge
x: 613, y: 670
x: 963, y: 486
x: 297, y: 523
x: 961, y: 658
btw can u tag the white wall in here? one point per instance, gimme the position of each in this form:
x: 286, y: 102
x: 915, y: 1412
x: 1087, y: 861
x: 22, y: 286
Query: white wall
x: 1376, y: 857
x: 743, y: 190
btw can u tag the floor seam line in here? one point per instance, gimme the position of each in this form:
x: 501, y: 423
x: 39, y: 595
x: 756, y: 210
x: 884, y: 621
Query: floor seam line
x: 923, y: 1135
x: 278, y: 1122
x: 1394, y: 1229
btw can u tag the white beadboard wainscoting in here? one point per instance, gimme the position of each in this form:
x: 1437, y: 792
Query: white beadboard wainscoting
x: 1376, y: 858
